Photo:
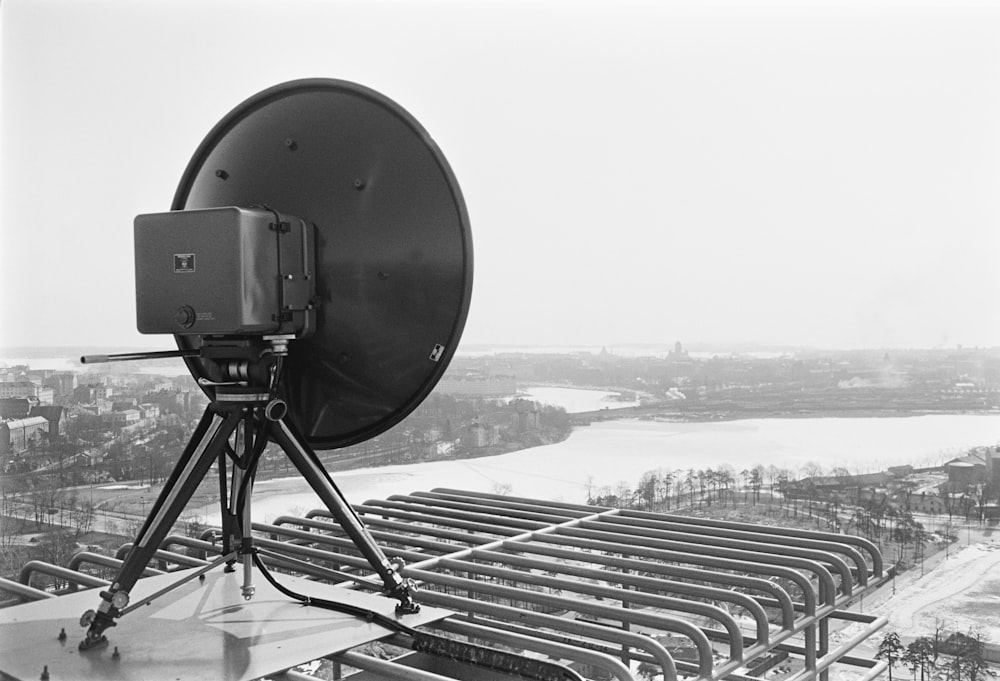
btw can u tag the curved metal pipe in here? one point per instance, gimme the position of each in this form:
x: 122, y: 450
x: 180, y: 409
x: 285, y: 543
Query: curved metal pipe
x: 552, y: 649
x: 462, y: 539
x: 559, y: 506
x: 861, y: 543
x: 769, y: 539
x: 71, y: 576
x: 614, y: 593
x: 207, y: 535
x: 24, y: 591
x: 88, y: 557
x: 828, y: 588
x: 679, y: 626
x: 322, y: 554
x: 477, y: 507
x: 503, y: 498
x: 333, y: 540
x: 847, y: 646
x: 653, y: 585
x: 379, y: 507
x: 421, y: 518
x: 191, y: 543
x: 782, y: 600
x: 168, y: 556
x: 385, y: 669
x: 722, y: 563
x: 321, y: 525
x: 506, y: 613
x: 749, y: 549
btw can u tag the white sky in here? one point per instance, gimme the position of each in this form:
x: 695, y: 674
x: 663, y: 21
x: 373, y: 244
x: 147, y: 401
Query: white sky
x: 822, y: 173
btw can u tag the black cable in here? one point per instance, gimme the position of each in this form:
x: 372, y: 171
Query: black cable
x: 250, y: 472
x: 439, y: 646
x: 346, y: 608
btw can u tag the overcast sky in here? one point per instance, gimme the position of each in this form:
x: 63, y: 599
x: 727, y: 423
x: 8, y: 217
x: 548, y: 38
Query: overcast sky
x: 802, y: 173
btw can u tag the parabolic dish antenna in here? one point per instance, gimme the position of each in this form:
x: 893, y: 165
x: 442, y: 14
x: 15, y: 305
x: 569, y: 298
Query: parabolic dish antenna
x: 315, y: 270
x: 393, y: 246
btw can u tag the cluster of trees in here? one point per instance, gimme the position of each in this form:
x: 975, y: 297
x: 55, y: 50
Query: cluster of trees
x: 663, y: 489
x: 40, y: 504
x: 957, y: 657
x: 968, y: 500
x: 442, y: 427
x: 837, y: 502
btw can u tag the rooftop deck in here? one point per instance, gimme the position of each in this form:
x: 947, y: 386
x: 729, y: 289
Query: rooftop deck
x: 597, y: 592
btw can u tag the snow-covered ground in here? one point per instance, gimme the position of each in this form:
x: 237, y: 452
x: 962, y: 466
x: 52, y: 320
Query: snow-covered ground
x: 576, y: 400
x: 961, y: 593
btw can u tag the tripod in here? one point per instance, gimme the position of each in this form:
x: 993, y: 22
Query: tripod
x: 243, y: 416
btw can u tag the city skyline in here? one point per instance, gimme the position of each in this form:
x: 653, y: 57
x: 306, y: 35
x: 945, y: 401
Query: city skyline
x: 814, y: 174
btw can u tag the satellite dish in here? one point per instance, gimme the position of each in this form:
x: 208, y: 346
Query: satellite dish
x: 393, y: 247
x: 315, y: 270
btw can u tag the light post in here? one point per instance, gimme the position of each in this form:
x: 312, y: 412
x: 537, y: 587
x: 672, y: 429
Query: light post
x: 895, y: 569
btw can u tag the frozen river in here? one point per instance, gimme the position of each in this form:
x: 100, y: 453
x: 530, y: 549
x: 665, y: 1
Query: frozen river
x: 609, y: 452
x: 576, y: 400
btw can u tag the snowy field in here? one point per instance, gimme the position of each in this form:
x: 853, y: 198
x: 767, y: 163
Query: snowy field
x: 963, y: 593
x: 960, y: 594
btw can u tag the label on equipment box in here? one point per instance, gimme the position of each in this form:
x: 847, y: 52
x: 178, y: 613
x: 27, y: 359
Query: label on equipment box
x: 183, y: 263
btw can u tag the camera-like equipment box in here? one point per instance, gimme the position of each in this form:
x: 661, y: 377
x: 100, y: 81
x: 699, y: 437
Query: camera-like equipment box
x: 224, y: 271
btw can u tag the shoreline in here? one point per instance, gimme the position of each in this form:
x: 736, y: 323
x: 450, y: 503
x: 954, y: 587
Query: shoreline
x: 657, y: 413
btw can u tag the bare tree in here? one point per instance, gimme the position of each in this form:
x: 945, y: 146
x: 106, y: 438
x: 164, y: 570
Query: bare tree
x: 756, y: 481
x: 82, y: 516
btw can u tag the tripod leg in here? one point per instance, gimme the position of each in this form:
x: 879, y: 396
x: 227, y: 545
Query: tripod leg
x: 227, y: 519
x: 307, y: 463
x: 207, y: 441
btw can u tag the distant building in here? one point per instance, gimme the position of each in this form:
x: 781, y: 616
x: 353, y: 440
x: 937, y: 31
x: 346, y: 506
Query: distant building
x: 927, y: 503
x: 99, y: 407
x: 979, y: 465
x: 822, y: 486
x: 526, y: 415
x: 53, y: 414
x: 16, y: 435
x: 992, y: 461
x: 27, y: 389
x: 121, y: 419
x: 62, y: 382
x: 14, y: 407
x: 91, y: 392
x: 20, y: 388
x: 474, y: 385
x: 150, y: 412
x: 479, y: 435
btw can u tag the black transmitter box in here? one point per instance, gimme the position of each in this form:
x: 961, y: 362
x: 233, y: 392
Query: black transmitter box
x: 224, y: 271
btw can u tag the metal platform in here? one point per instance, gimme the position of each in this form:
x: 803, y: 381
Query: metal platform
x: 599, y: 590
x: 203, y: 630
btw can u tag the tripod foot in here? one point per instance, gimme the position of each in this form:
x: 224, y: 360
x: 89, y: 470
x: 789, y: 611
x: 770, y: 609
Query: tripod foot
x: 90, y: 643
x: 96, y: 623
x: 407, y: 606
